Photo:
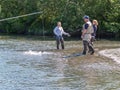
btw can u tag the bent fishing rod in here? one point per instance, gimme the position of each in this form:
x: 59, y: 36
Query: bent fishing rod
x: 16, y: 17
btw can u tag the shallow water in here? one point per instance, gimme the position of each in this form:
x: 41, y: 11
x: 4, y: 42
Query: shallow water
x: 114, y: 54
x: 36, y: 65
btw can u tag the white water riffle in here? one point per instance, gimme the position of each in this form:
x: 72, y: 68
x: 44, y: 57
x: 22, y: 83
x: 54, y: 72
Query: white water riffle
x: 111, y: 53
x: 30, y: 52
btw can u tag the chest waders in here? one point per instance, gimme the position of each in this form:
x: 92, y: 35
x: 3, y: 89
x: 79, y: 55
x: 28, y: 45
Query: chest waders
x: 87, y: 41
x: 60, y: 40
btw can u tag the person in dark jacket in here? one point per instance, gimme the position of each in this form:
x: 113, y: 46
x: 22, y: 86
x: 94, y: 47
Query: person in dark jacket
x: 95, y: 25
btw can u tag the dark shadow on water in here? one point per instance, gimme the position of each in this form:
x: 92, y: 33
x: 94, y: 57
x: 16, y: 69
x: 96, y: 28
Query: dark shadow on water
x: 73, y: 55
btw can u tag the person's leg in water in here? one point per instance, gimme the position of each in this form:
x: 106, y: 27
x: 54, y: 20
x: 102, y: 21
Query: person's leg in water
x: 62, y: 42
x: 91, y: 49
x: 57, y: 41
x: 91, y: 43
x: 92, y: 40
x: 84, y: 47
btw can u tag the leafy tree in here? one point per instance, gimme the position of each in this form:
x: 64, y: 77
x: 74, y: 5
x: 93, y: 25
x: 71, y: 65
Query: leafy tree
x: 69, y: 12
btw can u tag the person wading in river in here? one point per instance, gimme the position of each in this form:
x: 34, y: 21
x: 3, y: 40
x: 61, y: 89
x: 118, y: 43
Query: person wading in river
x: 58, y: 31
x: 86, y: 36
x: 95, y: 24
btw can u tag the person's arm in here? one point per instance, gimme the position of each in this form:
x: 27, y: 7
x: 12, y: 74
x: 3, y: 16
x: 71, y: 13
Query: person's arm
x: 55, y: 31
x: 95, y: 28
x: 84, y: 30
x: 63, y: 32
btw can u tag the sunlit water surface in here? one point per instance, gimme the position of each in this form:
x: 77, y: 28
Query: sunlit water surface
x: 33, y: 65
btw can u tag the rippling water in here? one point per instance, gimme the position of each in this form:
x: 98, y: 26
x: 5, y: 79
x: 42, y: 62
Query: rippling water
x: 34, y: 65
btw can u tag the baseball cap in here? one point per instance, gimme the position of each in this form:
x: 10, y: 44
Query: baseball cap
x: 86, y: 17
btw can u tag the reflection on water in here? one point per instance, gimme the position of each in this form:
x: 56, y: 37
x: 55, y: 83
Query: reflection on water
x: 29, y: 65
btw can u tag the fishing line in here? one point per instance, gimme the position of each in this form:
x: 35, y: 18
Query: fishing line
x: 20, y: 16
x: 16, y: 17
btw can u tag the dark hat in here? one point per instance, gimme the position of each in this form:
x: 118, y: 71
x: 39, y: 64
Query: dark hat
x: 86, y: 17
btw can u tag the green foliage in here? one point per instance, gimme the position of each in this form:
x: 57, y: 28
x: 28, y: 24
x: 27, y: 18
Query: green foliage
x: 69, y: 12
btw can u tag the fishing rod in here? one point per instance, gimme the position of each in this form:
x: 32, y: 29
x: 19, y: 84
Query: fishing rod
x: 16, y: 17
x: 25, y: 15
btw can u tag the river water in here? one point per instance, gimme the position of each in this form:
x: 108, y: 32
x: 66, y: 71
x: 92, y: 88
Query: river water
x: 34, y: 65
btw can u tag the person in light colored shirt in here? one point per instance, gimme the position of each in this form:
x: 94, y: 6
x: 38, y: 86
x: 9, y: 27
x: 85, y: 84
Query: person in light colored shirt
x: 59, y: 32
x: 87, y: 35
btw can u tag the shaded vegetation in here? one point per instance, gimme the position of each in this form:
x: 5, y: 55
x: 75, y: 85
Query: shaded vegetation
x: 69, y: 12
